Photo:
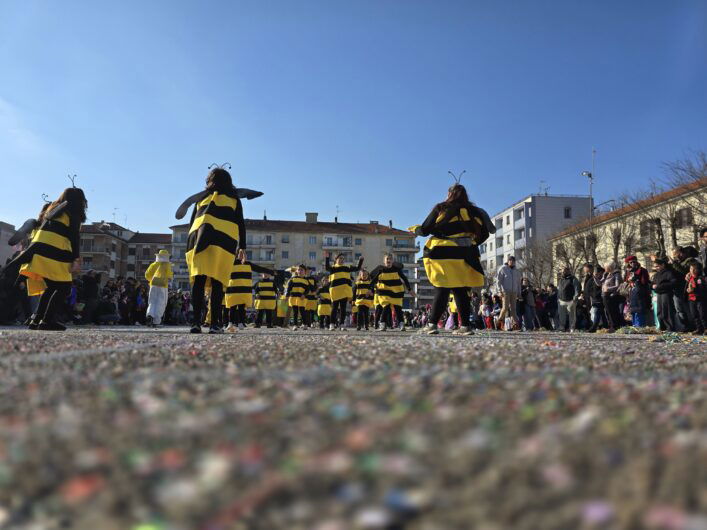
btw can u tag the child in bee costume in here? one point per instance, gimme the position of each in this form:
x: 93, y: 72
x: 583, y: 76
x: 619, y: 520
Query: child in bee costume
x: 265, y: 300
x: 282, y: 311
x: 158, y: 274
x: 239, y: 293
x: 52, y: 256
x: 324, y: 306
x: 451, y: 256
x: 390, y: 284
x: 216, y: 231
x: 363, y: 299
x: 340, y: 287
x: 310, y: 305
x: 296, y: 293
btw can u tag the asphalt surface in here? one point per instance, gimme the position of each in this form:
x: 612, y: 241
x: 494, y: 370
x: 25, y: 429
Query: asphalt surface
x: 115, y: 428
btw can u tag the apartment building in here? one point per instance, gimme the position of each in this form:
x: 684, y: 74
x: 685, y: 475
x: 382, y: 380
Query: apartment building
x: 104, y: 248
x: 532, y: 219
x: 281, y: 244
x: 424, y: 290
x: 142, y: 248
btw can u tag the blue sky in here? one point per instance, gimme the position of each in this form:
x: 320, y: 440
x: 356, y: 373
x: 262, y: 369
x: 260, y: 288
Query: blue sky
x: 363, y: 104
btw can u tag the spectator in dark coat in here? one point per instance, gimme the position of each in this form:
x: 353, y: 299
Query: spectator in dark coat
x: 664, y: 282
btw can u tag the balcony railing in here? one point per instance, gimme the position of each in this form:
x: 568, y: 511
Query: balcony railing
x: 337, y: 245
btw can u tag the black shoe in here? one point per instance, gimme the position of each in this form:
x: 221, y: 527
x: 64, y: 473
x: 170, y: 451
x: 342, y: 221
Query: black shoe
x: 149, y: 321
x: 257, y: 326
x: 195, y: 329
x: 215, y: 330
x: 51, y: 326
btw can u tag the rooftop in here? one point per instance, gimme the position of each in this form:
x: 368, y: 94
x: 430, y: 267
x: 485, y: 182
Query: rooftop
x: 268, y: 225
x: 548, y: 195
x: 635, y: 207
x: 146, y: 237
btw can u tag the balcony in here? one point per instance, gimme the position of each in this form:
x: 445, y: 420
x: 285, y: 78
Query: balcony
x: 406, y: 248
x: 520, y: 243
x: 519, y: 224
x: 261, y: 242
x: 337, y: 245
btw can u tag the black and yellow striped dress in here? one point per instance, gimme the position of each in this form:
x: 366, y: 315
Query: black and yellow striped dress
x: 297, y: 291
x: 389, y: 285
x: 265, y: 295
x: 340, y: 280
x: 240, y: 286
x: 214, y: 232
x: 324, y: 307
x: 363, y: 293
x: 451, y: 255
x: 311, y: 296
x: 52, y: 250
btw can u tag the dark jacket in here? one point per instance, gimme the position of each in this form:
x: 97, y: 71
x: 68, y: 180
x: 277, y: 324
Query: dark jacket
x: 665, y: 281
x: 568, y: 288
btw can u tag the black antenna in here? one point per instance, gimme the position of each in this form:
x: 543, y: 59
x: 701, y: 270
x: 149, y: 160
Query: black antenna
x: 459, y: 178
x: 45, y: 198
x: 72, y: 178
x: 222, y: 166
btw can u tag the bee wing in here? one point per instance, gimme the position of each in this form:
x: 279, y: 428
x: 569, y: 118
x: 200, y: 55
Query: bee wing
x: 184, y: 207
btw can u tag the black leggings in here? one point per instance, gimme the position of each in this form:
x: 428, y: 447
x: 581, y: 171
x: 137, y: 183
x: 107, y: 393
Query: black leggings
x: 53, y: 296
x: 296, y: 313
x: 377, y: 313
x: 439, y: 304
x: 362, y: 317
x: 387, y: 314
x: 339, y: 310
x: 236, y: 315
x: 197, y: 300
x: 324, y: 321
x: 268, y: 317
x: 612, y: 310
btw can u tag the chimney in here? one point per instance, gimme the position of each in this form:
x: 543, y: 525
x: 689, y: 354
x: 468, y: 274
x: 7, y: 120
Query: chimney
x: 311, y: 217
x: 390, y: 223
x: 336, y: 219
x: 265, y: 215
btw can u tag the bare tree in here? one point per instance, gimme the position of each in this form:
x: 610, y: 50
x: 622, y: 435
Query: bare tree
x: 537, y: 262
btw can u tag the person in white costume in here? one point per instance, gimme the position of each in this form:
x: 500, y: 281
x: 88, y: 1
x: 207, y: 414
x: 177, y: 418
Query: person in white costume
x: 158, y: 274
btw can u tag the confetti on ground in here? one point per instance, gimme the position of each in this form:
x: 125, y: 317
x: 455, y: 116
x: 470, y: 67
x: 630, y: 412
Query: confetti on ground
x: 119, y: 428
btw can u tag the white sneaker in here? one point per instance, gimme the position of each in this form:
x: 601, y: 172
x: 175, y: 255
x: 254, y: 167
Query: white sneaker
x: 463, y: 330
x: 241, y: 326
x: 294, y: 328
x: 332, y: 327
x: 403, y: 328
x: 382, y: 327
x: 430, y: 329
x: 230, y: 328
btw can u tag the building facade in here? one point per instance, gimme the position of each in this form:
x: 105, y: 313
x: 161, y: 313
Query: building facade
x: 424, y: 290
x: 526, y: 223
x: 282, y: 244
x: 6, y: 251
x: 652, y: 226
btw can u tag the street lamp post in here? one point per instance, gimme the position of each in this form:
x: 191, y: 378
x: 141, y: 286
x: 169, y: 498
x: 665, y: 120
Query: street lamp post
x: 590, y: 177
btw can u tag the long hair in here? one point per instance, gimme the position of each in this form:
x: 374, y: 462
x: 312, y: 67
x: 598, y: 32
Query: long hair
x: 219, y: 180
x: 76, y: 203
x: 40, y: 217
x: 457, y: 198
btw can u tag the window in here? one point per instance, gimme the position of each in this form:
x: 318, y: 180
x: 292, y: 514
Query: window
x: 491, y: 264
x: 490, y: 246
x: 285, y: 254
x: 328, y: 241
x: 146, y: 252
x: 87, y: 245
x: 683, y: 218
x: 389, y: 242
x: 530, y: 211
x: 131, y: 267
x: 285, y: 239
x: 112, y: 264
x: 508, y: 239
x: 269, y: 255
x: 357, y: 255
x: 404, y: 258
x: 568, y: 212
x: 183, y: 237
x: 312, y: 256
x: 131, y: 251
x: 347, y: 241
x: 530, y: 231
x: 508, y: 219
x: 249, y: 255
x: 268, y: 240
x: 359, y: 241
x: 519, y: 254
x: 647, y: 231
x: 87, y: 261
x: 312, y: 240
x: 112, y: 246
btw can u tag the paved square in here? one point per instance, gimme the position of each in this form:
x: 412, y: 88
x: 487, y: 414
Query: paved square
x: 116, y: 428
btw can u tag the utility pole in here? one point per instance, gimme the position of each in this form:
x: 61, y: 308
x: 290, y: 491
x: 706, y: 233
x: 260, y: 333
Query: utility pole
x: 590, y: 176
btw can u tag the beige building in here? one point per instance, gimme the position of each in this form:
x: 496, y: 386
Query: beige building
x: 282, y: 244
x: 657, y: 224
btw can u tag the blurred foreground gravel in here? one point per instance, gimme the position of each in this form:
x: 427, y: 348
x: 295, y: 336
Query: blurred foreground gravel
x: 119, y: 428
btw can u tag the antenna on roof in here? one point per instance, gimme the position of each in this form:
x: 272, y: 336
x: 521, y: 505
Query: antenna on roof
x: 114, y: 210
x: 544, y: 189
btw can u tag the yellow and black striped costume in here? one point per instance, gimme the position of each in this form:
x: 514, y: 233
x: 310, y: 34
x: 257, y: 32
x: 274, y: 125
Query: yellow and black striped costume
x: 240, y: 286
x: 363, y: 293
x: 53, y: 248
x: 265, y: 295
x: 340, y: 280
x: 311, y: 296
x: 214, y: 233
x: 390, y: 284
x: 451, y: 255
x: 324, y: 307
x: 297, y: 290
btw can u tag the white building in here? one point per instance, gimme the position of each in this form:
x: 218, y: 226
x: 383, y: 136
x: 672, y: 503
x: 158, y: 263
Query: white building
x: 6, y: 232
x: 282, y: 244
x: 534, y: 218
x: 424, y: 290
